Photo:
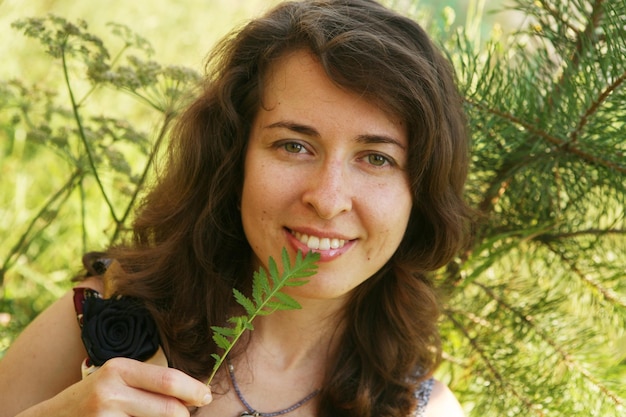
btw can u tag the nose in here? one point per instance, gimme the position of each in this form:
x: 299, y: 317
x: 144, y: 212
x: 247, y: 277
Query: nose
x: 328, y: 190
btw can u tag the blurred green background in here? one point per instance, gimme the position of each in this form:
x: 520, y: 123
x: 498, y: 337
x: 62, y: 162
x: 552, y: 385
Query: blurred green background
x: 534, y: 316
x: 181, y: 33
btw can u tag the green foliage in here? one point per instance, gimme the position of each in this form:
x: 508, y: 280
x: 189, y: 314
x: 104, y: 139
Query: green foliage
x: 534, y: 317
x: 267, y: 297
x: 95, y: 164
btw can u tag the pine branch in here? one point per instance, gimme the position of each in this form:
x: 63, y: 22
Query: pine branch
x: 558, y: 17
x: 619, y: 81
x: 586, y: 35
x: 582, y: 40
x: 544, y: 335
x: 499, y: 245
x: 499, y: 185
x: 485, y: 357
x: 551, y: 237
x: 606, y: 293
x: 558, y: 143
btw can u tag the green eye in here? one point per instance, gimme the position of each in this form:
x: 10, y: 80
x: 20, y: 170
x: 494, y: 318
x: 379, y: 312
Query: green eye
x: 293, y: 147
x: 377, y: 160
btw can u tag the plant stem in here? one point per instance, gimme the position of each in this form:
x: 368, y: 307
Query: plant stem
x: 83, y: 137
x: 65, y: 189
x: 144, y: 175
x: 278, y: 283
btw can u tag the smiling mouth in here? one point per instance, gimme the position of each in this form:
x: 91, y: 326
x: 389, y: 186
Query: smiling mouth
x: 319, y: 243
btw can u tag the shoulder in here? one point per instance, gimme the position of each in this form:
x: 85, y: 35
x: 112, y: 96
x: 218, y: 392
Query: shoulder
x: 94, y: 283
x: 46, y: 357
x: 442, y: 402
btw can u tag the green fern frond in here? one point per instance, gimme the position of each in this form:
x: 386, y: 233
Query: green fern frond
x: 266, y: 299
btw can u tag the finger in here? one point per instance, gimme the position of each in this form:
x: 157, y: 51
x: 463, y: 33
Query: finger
x: 105, y: 392
x: 160, y: 380
x: 139, y: 403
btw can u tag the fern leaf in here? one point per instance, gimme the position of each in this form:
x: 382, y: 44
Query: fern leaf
x: 273, y: 269
x: 238, y: 322
x: 286, y: 262
x: 262, y: 282
x: 244, y: 301
x: 257, y: 290
x: 221, y: 341
x: 225, y: 331
x: 288, y: 301
x: 267, y: 299
x: 272, y: 306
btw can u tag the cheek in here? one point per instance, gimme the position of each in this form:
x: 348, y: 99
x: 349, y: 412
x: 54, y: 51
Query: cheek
x: 268, y: 186
x: 255, y: 184
x: 392, y: 204
x: 395, y: 216
x: 262, y: 198
x: 388, y: 215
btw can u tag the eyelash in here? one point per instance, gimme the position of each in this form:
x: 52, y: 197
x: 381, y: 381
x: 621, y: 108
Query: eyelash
x: 369, y: 157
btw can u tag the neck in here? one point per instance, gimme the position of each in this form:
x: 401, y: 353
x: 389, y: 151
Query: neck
x: 287, y: 352
x: 295, y: 338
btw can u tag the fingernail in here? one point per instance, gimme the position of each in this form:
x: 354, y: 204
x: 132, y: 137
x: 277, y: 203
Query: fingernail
x: 207, y: 398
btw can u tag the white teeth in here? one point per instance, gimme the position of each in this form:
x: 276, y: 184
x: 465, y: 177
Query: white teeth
x: 319, y: 243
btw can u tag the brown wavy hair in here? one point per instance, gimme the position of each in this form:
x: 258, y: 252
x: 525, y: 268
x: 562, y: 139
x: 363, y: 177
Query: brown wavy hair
x: 189, y: 250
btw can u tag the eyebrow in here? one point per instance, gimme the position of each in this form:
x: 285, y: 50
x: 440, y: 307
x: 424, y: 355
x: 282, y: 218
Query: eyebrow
x: 311, y: 131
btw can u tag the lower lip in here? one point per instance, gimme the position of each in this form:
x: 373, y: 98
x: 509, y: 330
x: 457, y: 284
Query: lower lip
x: 325, y: 255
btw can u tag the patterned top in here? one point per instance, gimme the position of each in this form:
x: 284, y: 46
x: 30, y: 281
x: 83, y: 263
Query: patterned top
x: 423, y: 395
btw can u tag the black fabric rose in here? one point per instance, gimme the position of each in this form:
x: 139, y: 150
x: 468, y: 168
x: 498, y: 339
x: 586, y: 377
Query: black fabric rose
x: 117, y: 327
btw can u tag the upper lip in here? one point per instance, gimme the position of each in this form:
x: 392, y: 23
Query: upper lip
x: 321, y: 234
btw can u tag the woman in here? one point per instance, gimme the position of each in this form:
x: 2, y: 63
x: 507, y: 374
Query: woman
x: 330, y: 126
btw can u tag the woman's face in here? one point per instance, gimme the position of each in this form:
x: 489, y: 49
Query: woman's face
x: 325, y: 170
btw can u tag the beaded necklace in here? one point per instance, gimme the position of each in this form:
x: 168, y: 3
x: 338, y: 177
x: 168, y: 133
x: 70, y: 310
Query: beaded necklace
x: 251, y: 412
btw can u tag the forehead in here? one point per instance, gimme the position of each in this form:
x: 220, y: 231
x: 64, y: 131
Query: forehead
x: 296, y: 70
x: 299, y: 76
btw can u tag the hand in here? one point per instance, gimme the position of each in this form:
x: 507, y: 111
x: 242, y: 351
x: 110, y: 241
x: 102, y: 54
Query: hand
x: 125, y: 387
